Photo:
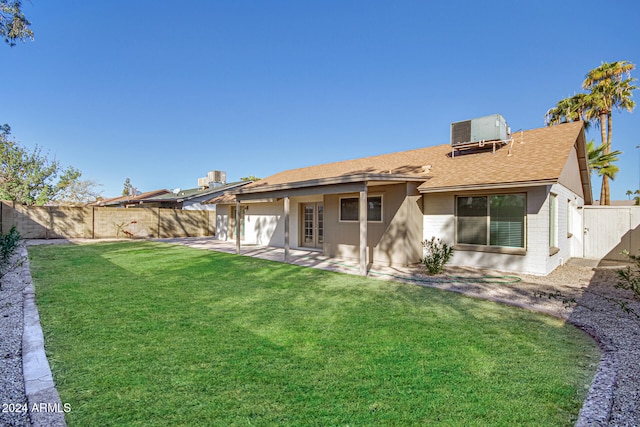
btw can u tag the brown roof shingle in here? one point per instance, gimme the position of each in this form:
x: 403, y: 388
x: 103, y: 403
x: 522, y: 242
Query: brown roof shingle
x: 536, y: 155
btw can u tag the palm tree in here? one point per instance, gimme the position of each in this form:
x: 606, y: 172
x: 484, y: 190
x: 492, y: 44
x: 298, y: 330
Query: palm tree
x: 608, y: 90
x: 629, y: 193
x: 569, y: 109
x: 601, y: 162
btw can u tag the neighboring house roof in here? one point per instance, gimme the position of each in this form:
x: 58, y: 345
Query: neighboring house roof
x: 123, y: 200
x: 195, y: 193
x: 226, y: 198
x: 535, y: 157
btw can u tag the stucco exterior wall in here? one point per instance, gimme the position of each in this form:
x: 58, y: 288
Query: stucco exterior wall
x: 394, y: 241
x: 263, y: 223
x: 440, y: 221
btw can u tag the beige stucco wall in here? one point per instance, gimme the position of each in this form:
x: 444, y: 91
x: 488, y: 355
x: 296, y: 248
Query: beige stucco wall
x: 394, y: 241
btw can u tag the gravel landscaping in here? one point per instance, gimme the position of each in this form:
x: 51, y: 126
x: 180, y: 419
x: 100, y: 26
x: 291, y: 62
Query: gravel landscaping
x: 12, y: 394
x: 584, y: 296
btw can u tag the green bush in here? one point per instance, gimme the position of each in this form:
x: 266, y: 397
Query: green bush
x: 630, y: 277
x: 436, y: 255
x: 8, y: 245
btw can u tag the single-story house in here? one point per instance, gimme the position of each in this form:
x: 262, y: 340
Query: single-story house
x: 129, y: 200
x: 515, y: 206
x: 193, y: 198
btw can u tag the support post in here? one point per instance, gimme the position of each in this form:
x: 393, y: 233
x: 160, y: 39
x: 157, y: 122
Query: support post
x: 286, y: 228
x: 362, y: 216
x: 237, y: 226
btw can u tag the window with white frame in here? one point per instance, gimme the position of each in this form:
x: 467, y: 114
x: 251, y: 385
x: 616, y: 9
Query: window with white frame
x: 569, y: 219
x: 496, y: 220
x: 553, y: 221
x: 349, y: 208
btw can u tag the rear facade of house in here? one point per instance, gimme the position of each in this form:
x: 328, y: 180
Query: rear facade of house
x: 515, y: 206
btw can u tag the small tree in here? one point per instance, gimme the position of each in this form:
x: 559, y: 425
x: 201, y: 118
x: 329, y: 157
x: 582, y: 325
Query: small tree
x: 30, y: 178
x: 79, y: 192
x: 128, y: 188
x: 436, y: 255
x: 8, y: 246
x: 630, y: 277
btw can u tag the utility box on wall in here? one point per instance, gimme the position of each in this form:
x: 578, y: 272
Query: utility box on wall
x: 488, y: 128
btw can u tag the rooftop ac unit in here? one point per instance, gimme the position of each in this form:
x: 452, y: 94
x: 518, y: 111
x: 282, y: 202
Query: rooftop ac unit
x: 217, y: 176
x: 203, y: 182
x: 488, y: 128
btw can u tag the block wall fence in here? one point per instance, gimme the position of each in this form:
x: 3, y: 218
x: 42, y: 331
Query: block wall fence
x: 59, y: 222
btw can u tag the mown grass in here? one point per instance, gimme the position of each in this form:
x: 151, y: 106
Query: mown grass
x: 149, y: 334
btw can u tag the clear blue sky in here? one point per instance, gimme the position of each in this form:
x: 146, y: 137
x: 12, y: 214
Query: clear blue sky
x: 164, y: 91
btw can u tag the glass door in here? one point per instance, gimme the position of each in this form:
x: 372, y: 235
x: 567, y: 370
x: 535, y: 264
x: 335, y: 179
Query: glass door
x: 312, y: 229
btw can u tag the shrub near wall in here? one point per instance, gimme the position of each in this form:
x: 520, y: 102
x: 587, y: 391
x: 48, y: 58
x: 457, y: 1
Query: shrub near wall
x: 51, y: 222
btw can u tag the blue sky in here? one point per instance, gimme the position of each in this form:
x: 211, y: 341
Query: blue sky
x: 164, y: 91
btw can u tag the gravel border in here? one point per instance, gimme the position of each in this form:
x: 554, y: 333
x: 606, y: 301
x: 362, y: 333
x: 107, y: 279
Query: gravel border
x: 584, y: 296
x: 26, y: 388
x: 11, y: 326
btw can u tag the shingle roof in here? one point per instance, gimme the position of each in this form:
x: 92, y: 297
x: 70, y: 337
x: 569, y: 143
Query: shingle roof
x: 537, y: 155
x: 126, y: 199
x: 196, y: 192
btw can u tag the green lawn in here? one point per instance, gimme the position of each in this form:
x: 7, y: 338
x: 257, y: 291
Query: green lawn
x: 149, y: 334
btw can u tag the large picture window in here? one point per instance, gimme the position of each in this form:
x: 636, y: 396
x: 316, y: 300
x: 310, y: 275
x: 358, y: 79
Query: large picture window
x: 497, y: 220
x: 349, y: 209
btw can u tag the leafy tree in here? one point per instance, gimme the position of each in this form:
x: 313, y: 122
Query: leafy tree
x: 30, y: 178
x: 609, y: 87
x: 14, y: 26
x: 250, y: 178
x: 79, y: 192
x: 128, y: 188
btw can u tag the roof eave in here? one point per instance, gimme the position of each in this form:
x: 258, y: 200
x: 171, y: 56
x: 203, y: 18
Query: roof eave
x: 485, y: 186
x: 345, y: 179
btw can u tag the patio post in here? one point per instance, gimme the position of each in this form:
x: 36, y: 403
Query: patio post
x: 237, y: 226
x: 286, y: 228
x: 362, y: 216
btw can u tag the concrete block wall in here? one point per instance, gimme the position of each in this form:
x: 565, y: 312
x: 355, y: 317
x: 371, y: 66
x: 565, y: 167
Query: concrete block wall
x: 125, y: 223
x: 186, y: 223
x: 52, y: 222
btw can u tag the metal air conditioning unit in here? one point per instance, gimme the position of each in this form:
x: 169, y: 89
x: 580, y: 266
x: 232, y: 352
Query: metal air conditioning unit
x: 217, y: 176
x: 475, y: 132
x: 487, y: 128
